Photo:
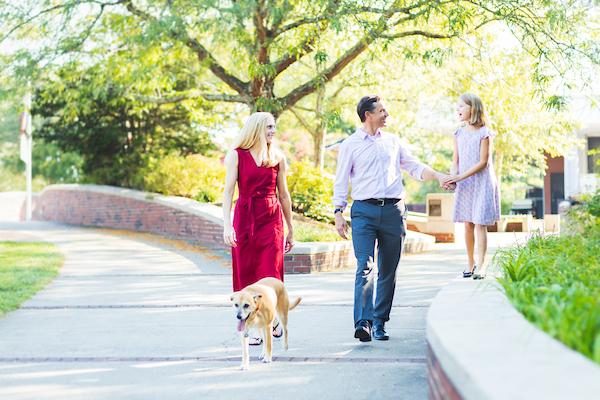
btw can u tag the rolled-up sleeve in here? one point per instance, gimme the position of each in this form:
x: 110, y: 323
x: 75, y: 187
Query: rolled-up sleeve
x: 342, y: 176
x: 410, y: 163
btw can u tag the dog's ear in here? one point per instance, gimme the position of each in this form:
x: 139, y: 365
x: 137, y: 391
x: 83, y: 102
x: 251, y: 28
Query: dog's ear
x: 232, y: 296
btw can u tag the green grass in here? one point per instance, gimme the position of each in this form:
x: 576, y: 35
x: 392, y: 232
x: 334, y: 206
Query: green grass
x: 555, y: 283
x: 25, y: 268
x: 312, y: 232
x: 308, y: 230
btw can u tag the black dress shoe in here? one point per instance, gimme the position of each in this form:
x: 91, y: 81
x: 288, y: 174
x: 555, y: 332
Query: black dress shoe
x: 379, y: 332
x: 363, y: 332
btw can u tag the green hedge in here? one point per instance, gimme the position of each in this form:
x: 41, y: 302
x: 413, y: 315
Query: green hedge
x: 203, y: 179
x: 195, y: 176
x: 555, y: 281
x: 311, y: 191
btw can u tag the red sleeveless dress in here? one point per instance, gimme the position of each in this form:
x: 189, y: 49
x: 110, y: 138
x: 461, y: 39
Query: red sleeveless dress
x: 258, y: 224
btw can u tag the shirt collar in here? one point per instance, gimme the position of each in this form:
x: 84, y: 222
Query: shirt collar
x: 364, y: 134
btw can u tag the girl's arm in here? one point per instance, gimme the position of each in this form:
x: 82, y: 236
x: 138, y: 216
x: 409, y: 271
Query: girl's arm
x: 231, y: 166
x: 484, y: 156
x: 286, y: 203
x: 454, y: 168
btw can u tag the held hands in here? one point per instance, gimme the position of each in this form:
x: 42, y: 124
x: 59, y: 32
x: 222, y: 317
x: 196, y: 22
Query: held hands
x: 289, y: 242
x: 341, y: 226
x: 443, y: 180
x: 229, y: 236
x: 450, y: 181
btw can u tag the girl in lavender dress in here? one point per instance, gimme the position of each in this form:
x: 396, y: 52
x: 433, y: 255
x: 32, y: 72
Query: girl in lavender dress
x: 476, y: 196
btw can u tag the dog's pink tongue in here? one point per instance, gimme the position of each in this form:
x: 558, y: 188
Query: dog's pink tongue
x: 241, y: 325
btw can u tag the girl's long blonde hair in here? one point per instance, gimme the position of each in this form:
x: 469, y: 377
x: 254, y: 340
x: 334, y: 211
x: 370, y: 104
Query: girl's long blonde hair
x: 254, y: 131
x: 478, y: 116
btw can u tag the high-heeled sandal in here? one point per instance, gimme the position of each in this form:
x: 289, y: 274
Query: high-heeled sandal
x: 255, y: 341
x: 277, y: 331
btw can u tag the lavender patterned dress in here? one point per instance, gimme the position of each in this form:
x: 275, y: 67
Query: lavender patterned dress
x: 476, y: 198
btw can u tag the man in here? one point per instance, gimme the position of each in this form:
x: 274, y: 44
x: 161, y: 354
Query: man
x: 371, y: 160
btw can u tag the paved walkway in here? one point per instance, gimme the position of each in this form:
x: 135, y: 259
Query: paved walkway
x: 133, y: 317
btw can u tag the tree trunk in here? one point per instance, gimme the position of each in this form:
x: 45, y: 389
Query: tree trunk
x: 320, y: 131
x: 499, y: 161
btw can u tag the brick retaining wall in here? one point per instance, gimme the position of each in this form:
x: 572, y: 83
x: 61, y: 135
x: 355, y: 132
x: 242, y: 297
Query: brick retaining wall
x: 174, y: 217
x: 439, y: 385
x: 77, y: 206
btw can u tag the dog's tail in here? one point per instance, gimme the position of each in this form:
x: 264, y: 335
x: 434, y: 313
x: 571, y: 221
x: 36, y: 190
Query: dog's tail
x: 295, y: 303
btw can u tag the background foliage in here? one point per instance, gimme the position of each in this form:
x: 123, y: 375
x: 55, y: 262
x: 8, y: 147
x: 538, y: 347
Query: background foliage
x: 553, y: 281
x: 120, y: 84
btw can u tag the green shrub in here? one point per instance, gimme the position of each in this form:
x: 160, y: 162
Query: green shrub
x: 195, y: 176
x: 585, y: 216
x: 311, y: 191
x: 553, y: 281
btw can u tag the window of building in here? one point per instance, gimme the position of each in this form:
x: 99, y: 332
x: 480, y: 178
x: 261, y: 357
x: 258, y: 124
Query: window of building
x: 594, y: 158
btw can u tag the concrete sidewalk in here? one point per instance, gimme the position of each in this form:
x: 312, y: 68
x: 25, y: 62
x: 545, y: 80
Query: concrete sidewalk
x: 134, y: 318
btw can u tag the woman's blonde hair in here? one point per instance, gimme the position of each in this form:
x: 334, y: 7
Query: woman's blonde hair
x: 478, y: 116
x: 254, y: 131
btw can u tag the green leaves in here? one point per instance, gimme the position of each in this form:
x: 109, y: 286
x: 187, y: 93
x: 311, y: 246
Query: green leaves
x: 553, y: 281
x: 311, y: 191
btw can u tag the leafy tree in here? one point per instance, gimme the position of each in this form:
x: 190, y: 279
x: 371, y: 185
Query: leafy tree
x: 115, y: 135
x: 247, y: 48
x: 527, y: 125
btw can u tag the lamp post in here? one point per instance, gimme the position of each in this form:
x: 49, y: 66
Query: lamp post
x: 26, y: 144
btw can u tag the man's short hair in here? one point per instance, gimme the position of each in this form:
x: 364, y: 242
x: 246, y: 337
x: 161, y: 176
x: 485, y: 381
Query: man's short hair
x: 365, y: 104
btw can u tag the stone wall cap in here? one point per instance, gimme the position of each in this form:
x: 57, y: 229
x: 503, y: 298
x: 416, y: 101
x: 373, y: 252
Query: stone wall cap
x: 205, y: 210
x: 215, y: 214
x: 490, y: 351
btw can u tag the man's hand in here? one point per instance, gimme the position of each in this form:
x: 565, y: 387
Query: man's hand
x: 451, y: 180
x: 341, y: 226
x: 442, y: 178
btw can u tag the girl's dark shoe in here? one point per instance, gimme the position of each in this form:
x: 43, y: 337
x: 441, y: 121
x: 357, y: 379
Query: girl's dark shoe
x: 468, y: 274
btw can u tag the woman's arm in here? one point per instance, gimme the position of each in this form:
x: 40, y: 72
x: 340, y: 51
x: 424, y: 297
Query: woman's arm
x: 286, y: 203
x: 484, y: 156
x: 231, y: 167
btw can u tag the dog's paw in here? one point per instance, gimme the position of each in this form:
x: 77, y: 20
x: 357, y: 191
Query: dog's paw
x: 244, y: 367
x: 267, y: 360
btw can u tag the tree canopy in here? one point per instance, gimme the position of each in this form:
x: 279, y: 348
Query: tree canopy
x: 243, y: 51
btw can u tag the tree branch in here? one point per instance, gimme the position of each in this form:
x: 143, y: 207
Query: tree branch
x: 193, y: 94
x: 350, y: 11
x: 309, y: 87
x: 50, y: 10
x: 302, y: 121
x: 201, y: 52
x: 288, y: 59
x: 431, y: 35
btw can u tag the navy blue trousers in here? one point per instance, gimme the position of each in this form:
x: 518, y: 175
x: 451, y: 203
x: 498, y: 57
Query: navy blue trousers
x: 382, y: 225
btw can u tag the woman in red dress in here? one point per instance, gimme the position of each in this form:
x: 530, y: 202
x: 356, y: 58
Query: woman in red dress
x: 256, y: 235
